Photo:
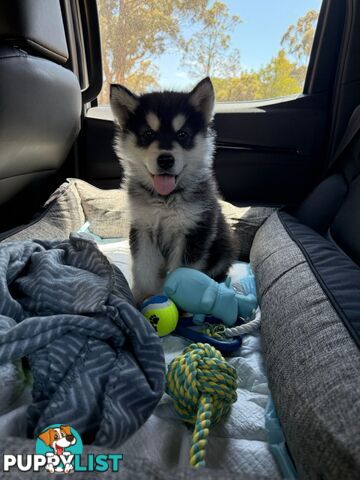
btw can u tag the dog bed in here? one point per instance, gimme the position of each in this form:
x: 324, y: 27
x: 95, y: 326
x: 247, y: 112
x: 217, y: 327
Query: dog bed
x: 239, y: 445
x: 309, y: 291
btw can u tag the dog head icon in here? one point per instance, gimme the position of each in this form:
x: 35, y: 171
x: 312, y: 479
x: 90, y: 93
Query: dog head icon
x: 58, y: 438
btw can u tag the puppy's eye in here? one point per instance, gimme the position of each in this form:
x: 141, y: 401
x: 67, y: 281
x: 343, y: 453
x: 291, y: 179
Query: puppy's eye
x: 148, y: 134
x: 182, y: 134
x: 56, y: 436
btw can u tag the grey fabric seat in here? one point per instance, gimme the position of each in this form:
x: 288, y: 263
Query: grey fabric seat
x: 307, y: 267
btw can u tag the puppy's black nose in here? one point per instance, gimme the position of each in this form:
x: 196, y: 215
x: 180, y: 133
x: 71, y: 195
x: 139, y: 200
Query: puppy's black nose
x: 165, y: 161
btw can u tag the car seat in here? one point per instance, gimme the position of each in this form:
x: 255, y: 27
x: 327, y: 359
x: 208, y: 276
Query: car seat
x: 40, y: 105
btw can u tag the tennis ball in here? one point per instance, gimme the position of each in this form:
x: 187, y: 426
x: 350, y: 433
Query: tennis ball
x: 161, y: 313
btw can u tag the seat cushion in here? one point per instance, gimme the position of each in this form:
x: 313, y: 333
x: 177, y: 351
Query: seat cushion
x: 309, y: 332
x: 333, y: 207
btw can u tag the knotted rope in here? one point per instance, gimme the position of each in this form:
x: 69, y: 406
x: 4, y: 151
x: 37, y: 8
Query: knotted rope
x: 203, y: 387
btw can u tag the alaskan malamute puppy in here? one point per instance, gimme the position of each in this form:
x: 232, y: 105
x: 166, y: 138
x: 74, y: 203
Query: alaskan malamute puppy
x: 165, y: 144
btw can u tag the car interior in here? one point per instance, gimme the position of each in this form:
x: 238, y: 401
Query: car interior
x: 288, y: 172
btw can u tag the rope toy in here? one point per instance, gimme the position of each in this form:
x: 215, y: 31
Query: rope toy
x: 221, y: 331
x: 248, y: 327
x: 203, y: 387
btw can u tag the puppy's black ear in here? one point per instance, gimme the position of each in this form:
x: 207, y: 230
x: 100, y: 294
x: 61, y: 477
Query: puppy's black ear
x: 123, y: 102
x: 202, y: 97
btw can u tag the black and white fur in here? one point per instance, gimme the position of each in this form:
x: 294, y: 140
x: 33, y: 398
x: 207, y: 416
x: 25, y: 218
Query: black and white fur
x: 185, y: 227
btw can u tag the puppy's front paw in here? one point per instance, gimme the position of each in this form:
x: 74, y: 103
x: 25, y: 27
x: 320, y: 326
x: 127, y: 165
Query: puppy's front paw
x: 139, y: 296
x: 50, y: 468
x: 68, y: 468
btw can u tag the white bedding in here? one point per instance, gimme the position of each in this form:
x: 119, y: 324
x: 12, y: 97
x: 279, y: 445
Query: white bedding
x: 237, y: 444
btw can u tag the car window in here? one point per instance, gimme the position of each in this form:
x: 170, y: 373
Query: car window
x: 252, y: 50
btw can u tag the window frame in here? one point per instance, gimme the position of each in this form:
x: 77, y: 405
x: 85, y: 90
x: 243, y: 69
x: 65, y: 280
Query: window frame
x: 319, y: 75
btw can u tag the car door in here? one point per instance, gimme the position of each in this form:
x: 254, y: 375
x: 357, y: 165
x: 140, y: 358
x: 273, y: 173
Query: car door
x: 269, y: 151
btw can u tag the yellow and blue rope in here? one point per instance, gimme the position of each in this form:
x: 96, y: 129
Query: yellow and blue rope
x: 203, y: 387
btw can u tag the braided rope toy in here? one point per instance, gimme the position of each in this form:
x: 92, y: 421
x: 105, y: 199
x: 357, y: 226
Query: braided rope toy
x: 221, y: 331
x: 203, y: 387
x: 248, y: 327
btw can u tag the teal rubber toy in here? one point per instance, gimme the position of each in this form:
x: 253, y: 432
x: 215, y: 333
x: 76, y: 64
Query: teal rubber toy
x: 197, y: 293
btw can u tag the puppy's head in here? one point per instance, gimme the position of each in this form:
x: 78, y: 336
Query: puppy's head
x: 58, y: 438
x: 163, y: 138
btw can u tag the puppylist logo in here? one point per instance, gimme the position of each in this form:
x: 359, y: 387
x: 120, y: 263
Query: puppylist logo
x: 58, y: 450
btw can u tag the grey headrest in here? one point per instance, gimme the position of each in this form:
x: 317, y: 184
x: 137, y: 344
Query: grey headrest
x: 35, y: 25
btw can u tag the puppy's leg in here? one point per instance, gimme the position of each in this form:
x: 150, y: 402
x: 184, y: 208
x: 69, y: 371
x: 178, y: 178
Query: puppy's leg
x: 222, y: 252
x: 175, y: 259
x: 147, y: 265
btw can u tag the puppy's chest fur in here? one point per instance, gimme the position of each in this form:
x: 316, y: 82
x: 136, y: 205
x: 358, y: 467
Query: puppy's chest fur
x: 166, y: 225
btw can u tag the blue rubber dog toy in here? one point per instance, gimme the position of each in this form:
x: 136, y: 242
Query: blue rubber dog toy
x: 196, y: 293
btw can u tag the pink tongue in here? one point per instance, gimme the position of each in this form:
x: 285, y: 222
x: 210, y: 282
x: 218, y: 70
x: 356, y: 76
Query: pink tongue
x: 164, y: 184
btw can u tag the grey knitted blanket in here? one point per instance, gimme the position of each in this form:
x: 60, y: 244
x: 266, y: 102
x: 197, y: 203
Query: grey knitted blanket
x: 96, y: 363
